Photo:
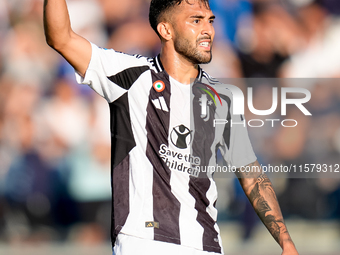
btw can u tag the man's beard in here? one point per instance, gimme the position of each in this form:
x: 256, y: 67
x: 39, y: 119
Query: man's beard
x: 185, y: 48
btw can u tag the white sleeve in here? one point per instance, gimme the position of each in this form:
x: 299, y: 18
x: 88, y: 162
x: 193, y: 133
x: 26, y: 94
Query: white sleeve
x: 106, y: 63
x: 241, y: 151
x: 235, y: 146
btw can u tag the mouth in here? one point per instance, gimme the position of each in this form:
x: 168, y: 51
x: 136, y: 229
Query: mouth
x: 205, y: 44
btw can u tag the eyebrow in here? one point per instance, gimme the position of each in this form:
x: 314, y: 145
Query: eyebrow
x: 201, y: 17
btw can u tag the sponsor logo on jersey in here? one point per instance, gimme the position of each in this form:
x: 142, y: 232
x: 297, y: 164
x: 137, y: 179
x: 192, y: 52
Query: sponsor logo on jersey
x: 159, y: 86
x: 181, y: 136
x: 175, y: 160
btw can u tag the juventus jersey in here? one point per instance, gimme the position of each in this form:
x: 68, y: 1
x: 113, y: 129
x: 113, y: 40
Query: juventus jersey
x: 157, y: 193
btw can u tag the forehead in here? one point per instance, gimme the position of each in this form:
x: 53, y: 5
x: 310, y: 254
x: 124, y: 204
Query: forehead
x: 193, y: 8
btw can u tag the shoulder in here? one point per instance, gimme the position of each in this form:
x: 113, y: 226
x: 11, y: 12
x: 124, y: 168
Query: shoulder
x: 111, y: 56
x: 206, y: 78
x: 214, y: 84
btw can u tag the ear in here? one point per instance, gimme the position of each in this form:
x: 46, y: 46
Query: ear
x: 164, y: 29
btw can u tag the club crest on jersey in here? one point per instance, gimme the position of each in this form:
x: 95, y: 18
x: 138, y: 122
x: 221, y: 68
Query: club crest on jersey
x: 205, y: 102
x: 159, y: 86
x: 211, y: 95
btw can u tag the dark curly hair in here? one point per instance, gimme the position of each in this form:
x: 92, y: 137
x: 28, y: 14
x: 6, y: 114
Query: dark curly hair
x: 159, y: 7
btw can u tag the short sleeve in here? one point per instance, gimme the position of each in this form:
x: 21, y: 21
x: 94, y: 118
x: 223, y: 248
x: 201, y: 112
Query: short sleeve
x: 241, y: 151
x: 235, y: 146
x: 104, y: 68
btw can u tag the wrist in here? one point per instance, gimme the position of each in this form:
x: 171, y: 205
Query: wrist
x: 288, y: 245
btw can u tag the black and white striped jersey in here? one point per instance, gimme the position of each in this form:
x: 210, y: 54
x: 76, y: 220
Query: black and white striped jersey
x: 156, y: 192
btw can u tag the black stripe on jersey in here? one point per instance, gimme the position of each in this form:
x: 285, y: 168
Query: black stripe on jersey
x: 156, y: 65
x: 200, y: 72
x: 227, y: 127
x: 204, y: 134
x: 122, y: 140
x: 159, y: 63
x: 166, y: 207
x: 204, y: 137
x: 198, y: 188
x: 125, y: 79
x: 120, y: 197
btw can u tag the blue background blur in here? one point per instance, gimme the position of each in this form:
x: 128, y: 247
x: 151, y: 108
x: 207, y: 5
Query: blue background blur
x: 54, y: 134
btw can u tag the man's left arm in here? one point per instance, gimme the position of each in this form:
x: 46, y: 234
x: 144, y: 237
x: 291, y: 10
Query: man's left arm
x: 261, y: 195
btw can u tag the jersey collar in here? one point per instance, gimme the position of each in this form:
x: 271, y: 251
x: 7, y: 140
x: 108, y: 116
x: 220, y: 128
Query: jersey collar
x: 160, y: 68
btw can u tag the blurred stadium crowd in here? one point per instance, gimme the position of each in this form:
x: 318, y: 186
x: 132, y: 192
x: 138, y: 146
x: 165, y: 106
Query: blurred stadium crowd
x: 54, y: 134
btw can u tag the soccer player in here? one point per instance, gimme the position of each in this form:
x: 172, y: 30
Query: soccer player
x: 159, y: 205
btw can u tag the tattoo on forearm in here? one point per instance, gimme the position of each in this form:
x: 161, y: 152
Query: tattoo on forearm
x: 274, y: 225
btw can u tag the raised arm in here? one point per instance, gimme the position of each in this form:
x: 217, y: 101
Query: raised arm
x: 261, y: 195
x: 60, y: 36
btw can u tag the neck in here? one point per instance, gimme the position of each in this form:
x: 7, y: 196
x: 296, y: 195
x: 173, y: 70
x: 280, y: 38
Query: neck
x: 177, y: 66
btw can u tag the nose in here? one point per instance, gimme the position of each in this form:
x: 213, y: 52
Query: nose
x: 208, y: 29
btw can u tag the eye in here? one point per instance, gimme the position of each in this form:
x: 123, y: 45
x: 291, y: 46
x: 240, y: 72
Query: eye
x: 196, y: 21
x: 211, y: 21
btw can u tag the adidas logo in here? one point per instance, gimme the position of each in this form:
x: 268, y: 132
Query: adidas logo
x: 160, y: 104
x: 151, y: 224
